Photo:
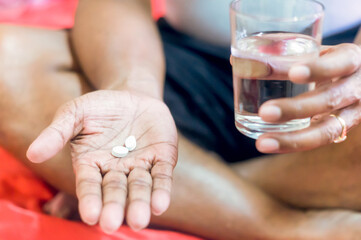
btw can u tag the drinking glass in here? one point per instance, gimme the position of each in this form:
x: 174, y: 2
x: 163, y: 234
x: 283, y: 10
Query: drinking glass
x: 268, y: 37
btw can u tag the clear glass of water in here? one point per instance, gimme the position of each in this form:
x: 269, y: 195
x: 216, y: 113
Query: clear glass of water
x: 268, y: 37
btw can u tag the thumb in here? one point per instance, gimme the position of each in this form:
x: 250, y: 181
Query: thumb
x: 65, y: 125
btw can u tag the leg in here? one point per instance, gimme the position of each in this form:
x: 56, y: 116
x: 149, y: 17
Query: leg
x: 36, y: 77
x: 206, y: 197
x: 328, y: 177
x: 209, y: 199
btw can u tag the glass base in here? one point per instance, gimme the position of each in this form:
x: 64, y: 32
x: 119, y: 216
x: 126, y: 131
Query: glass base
x: 253, y: 126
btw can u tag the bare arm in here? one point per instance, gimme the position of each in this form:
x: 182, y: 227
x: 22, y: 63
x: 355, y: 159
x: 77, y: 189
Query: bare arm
x: 118, y: 45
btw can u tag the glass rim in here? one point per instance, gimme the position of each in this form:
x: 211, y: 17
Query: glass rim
x: 285, y: 19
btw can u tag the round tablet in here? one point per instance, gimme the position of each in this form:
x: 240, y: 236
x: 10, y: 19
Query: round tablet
x: 120, y: 151
x: 131, y: 143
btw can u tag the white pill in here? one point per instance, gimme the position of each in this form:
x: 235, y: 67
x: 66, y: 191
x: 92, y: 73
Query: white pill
x: 131, y: 143
x: 120, y: 151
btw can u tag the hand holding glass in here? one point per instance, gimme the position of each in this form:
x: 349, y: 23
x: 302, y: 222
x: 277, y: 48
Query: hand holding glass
x: 268, y: 37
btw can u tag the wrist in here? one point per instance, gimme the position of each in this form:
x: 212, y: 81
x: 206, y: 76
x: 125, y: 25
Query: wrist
x: 146, y: 84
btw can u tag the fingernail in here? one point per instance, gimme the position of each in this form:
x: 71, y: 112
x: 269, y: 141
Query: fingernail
x: 270, y: 113
x: 299, y: 73
x: 268, y: 145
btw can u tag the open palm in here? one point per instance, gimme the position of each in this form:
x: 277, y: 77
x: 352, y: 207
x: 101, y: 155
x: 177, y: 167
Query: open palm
x: 96, y: 122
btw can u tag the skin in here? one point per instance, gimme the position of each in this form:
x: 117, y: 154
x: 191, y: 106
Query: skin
x: 131, y: 80
x: 337, y: 92
x: 64, y: 86
x: 95, y: 123
x: 327, y: 177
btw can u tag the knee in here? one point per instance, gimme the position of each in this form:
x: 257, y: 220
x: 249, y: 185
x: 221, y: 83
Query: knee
x: 12, y: 45
x: 16, y: 60
x: 27, y: 54
x: 13, y: 71
x: 12, y: 57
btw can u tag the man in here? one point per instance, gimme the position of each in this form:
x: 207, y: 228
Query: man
x: 114, y: 56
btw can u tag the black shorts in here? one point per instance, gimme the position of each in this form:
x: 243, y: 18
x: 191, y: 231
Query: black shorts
x: 199, y: 93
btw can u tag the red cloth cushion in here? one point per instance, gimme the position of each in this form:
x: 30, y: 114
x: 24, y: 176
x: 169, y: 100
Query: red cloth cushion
x: 55, y: 14
x: 22, y: 195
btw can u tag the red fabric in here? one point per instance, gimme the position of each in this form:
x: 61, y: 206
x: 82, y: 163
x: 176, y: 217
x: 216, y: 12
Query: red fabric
x: 22, y: 194
x: 158, y: 8
x: 54, y: 14
x: 21, y: 186
x: 19, y: 224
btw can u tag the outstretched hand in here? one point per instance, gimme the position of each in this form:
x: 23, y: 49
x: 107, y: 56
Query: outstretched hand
x: 105, y: 185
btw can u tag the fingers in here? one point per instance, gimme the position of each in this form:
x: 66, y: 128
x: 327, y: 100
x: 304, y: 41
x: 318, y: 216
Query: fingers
x: 329, y: 97
x: 321, y: 132
x: 89, y: 193
x: 315, y: 136
x: 140, y: 196
x: 335, y: 62
x: 162, y: 184
x: 341, y: 60
x: 52, y: 139
x: 140, y: 188
x: 249, y: 68
x: 114, y: 199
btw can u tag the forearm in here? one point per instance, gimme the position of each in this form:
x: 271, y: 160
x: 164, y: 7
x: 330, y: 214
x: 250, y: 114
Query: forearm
x: 118, y: 45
